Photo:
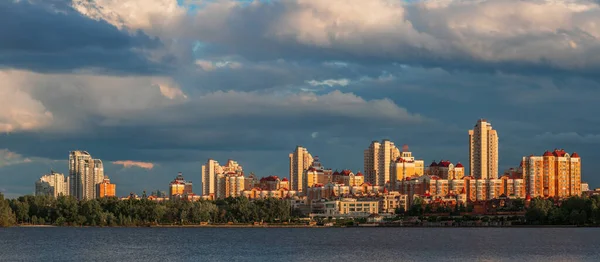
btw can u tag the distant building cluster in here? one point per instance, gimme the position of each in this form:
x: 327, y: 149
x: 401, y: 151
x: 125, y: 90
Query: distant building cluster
x: 392, y: 179
x: 86, y: 179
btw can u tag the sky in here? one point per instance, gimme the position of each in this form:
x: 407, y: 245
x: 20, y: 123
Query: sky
x: 156, y: 87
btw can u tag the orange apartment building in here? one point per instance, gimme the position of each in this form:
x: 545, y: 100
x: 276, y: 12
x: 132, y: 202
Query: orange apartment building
x: 473, y: 189
x: 106, y: 189
x: 554, y: 174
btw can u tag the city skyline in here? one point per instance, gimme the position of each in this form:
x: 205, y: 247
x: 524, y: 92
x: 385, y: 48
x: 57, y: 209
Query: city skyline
x: 156, y: 90
x: 383, y: 161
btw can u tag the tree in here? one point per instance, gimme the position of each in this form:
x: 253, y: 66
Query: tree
x: 399, y: 211
x: 538, y: 211
x: 7, y: 216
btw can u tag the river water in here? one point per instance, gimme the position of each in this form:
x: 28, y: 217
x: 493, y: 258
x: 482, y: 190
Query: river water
x: 299, y: 244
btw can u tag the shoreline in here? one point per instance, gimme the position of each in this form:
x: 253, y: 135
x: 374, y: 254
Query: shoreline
x: 304, y: 226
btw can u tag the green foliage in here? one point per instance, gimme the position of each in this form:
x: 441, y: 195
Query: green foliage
x: 571, y: 211
x: 400, y: 211
x: 67, y: 211
x: 7, y: 216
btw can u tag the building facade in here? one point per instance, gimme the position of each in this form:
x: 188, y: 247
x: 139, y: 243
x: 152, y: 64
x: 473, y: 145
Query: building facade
x: 213, y: 176
x: 53, y: 184
x: 377, y: 161
x: 554, y: 174
x: 300, y: 160
x: 483, y: 151
x: 106, y: 189
x: 84, y: 174
x: 230, y: 185
x: 210, y: 170
x: 316, y: 174
x: 406, y: 166
x: 446, y: 170
x: 180, y: 187
x: 473, y: 189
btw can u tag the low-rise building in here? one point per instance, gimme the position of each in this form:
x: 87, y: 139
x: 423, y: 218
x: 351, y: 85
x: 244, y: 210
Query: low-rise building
x: 392, y: 201
x: 473, y: 189
x: 345, y: 207
x: 258, y: 193
x: 179, y: 186
x: 446, y: 170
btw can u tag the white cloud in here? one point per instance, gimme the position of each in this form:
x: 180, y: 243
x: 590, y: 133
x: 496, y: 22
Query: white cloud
x: 18, y: 110
x: 8, y: 158
x: 205, y: 65
x: 130, y: 163
x: 561, y: 34
x: 64, y: 102
x: 208, y: 65
x: 556, y: 33
x: 155, y: 17
x: 329, y: 82
x: 171, y: 92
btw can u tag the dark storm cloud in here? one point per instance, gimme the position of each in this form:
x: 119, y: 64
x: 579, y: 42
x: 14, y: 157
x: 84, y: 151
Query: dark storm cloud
x: 52, y: 37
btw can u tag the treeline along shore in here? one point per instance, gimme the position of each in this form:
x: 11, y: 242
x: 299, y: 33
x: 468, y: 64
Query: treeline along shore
x: 242, y: 212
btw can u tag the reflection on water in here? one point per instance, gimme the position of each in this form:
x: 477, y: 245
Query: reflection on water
x: 299, y: 244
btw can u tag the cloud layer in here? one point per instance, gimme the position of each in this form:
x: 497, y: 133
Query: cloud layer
x: 161, y: 86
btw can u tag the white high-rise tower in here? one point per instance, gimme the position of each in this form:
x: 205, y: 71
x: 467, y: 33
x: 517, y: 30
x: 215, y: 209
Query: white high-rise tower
x: 300, y: 160
x: 378, y: 159
x: 84, y: 174
x: 483, y: 151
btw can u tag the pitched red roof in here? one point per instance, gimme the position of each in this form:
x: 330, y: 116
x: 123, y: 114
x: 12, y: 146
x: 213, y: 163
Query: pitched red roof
x: 284, y: 179
x: 444, y: 163
x: 559, y: 153
x: 269, y: 178
x: 575, y: 155
x: 547, y: 153
x: 459, y: 165
x: 359, y: 174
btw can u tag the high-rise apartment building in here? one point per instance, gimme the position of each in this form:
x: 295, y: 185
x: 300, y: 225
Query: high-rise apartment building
x: 554, y: 174
x: 53, y: 184
x: 378, y: 160
x: 84, y: 174
x: 483, y: 151
x: 222, y: 181
x: 106, y: 189
x: 210, y: 170
x: 300, y: 160
x: 230, y: 185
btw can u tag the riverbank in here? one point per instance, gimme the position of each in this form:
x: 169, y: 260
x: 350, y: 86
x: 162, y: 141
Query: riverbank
x: 312, y: 226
